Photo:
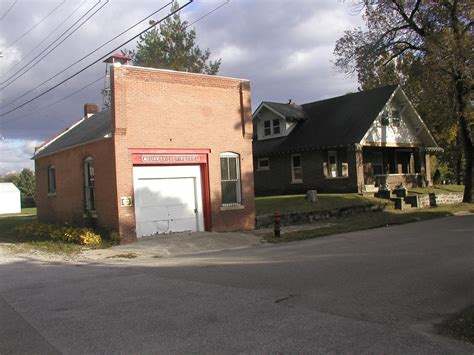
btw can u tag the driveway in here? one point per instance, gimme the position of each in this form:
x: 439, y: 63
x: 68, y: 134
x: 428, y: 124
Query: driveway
x: 371, y: 291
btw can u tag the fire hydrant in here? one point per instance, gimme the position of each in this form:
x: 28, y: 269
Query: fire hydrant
x: 277, y: 223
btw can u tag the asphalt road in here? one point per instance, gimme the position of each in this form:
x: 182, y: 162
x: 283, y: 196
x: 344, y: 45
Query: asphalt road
x: 366, y: 292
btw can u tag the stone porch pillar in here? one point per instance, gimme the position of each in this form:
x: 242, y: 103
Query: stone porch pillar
x: 359, y: 165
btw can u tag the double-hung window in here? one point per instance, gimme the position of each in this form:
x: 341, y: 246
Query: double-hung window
x: 332, y: 163
x: 230, y: 179
x: 51, y: 179
x: 263, y: 164
x: 296, y: 169
x: 89, y: 184
x: 271, y: 127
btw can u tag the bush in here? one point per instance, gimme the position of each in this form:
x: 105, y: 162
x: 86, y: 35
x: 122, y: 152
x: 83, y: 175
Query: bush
x: 82, y: 236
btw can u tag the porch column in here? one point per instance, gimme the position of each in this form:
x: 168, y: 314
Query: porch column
x: 428, y: 169
x: 359, y: 165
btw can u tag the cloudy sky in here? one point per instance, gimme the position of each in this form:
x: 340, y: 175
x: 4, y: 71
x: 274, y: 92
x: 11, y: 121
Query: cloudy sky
x: 283, y: 47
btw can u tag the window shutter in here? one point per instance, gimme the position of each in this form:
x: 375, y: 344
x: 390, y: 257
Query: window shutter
x: 325, y: 169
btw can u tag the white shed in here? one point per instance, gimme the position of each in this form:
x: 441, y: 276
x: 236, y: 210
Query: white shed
x: 10, y: 199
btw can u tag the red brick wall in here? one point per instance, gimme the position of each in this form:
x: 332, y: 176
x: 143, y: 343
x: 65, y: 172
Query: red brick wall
x: 67, y: 204
x: 165, y: 109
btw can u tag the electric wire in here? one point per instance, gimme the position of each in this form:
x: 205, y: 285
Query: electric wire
x: 8, y: 10
x: 96, y: 61
x: 56, y: 46
x: 100, y: 78
x: 34, y: 26
x: 53, y: 103
x: 86, y: 56
x: 44, y: 39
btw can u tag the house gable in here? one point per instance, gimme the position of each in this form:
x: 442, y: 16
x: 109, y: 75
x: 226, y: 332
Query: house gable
x: 269, y: 123
x: 398, y: 124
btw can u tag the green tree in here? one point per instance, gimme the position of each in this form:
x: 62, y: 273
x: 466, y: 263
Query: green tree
x: 173, y: 46
x: 426, y: 40
x: 26, y: 183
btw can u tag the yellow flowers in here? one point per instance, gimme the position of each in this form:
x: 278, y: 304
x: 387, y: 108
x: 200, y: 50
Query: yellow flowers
x: 83, y: 236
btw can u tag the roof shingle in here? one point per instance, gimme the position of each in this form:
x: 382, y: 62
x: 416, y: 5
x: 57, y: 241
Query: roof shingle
x: 341, y: 120
x: 87, y: 130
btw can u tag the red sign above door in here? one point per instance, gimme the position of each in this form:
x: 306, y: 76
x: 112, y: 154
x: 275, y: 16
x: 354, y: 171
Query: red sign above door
x: 171, y: 157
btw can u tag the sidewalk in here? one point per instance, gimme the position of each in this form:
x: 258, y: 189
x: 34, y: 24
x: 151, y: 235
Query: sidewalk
x: 176, y: 244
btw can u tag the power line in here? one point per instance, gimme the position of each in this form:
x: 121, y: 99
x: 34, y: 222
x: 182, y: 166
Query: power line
x: 96, y: 61
x: 86, y: 56
x: 55, y: 102
x: 44, y: 39
x: 35, y: 25
x: 208, y: 13
x: 8, y: 10
x: 56, y: 46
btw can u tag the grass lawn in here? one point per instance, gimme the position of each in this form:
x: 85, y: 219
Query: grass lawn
x: 298, y: 203
x: 370, y: 220
x: 440, y: 189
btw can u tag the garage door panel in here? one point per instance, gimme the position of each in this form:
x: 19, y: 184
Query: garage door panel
x: 181, y: 211
x: 154, y: 227
x: 153, y: 213
x: 183, y: 224
x: 167, y: 199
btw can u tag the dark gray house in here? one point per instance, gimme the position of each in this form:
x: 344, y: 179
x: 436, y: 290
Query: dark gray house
x: 351, y: 143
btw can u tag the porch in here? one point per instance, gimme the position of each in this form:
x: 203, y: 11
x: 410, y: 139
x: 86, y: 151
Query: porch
x: 395, y: 166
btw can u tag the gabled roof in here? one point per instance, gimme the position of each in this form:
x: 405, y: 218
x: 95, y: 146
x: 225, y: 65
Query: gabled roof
x: 8, y: 187
x: 333, y: 122
x: 87, y: 130
x: 289, y: 110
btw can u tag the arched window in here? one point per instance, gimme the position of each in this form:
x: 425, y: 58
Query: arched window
x: 89, y: 184
x: 51, y: 179
x: 230, y: 179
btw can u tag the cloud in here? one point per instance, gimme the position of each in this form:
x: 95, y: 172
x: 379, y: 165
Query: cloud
x: 15, y: 154
x: 284, y: 48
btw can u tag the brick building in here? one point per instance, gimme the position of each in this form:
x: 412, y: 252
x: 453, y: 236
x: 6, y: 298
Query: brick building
x: 172, y: 154
x: 352, y: 143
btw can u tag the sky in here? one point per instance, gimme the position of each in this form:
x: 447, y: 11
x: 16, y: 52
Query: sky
x: 285, y: 49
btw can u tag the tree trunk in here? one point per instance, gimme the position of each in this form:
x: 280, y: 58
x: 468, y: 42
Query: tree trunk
x: 459, y: 161
x: 462, y: 97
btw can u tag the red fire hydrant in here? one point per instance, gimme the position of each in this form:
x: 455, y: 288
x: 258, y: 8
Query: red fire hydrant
x: 277, y: 223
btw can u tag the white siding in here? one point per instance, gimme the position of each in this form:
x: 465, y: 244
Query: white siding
x: 403, y: 133
x: 10, y: 199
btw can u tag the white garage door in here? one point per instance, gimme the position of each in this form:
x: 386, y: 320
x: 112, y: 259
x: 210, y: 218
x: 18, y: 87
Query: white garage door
x: 167, y: 199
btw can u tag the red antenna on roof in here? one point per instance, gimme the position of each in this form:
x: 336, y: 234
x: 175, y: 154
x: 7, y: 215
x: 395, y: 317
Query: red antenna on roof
x: 115, y: 58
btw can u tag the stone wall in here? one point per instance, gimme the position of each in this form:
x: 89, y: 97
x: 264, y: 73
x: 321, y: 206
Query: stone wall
x: 288, y: 219
x: 440, y: 199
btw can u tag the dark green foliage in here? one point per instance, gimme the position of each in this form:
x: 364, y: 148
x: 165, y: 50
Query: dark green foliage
x: 25, y: 181
x: 173, y: 46
x: 425, y: 46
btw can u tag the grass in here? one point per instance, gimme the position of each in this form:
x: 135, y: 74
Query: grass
x: 298, y: 203
x: 370, y: 220
x: 460, y: 326
x: 124, y: 256
x: 440, y: 189
x: 8, y: 235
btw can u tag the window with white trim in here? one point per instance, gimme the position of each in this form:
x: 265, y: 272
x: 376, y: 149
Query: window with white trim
x: 332, y: 163
x: 51, y: 179
x: 89, y: 184
x: 263, y: 164
x: 296, y: 168
x: 271, y: 127
x: 230, y: 179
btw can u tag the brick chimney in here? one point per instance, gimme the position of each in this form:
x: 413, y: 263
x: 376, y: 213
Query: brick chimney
x: 90, y: 109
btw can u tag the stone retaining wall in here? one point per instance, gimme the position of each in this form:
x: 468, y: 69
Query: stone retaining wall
x: 440, y: 199
x: 288, y: 219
